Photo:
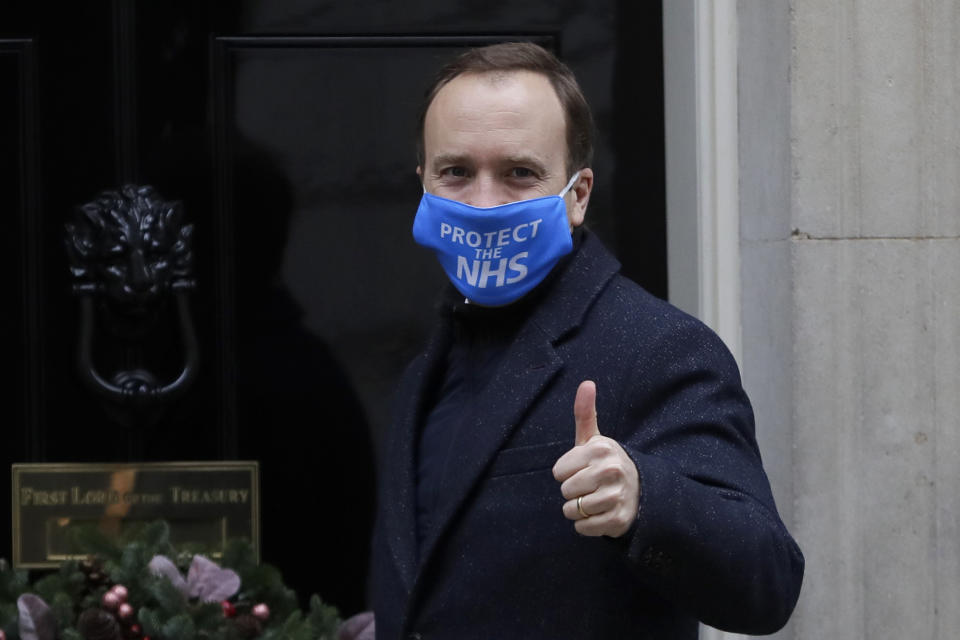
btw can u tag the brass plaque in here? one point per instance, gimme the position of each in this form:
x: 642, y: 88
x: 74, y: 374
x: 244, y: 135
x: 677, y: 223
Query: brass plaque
x: 205, y: 503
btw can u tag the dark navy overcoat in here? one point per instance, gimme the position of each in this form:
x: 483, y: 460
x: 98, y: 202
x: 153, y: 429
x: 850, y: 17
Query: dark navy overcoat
x: 503, y: 562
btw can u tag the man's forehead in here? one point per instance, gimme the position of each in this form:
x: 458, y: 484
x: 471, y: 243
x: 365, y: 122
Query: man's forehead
x: 495, y: 106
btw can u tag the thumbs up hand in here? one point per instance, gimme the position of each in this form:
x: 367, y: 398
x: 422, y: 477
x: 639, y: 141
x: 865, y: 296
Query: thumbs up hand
x: 598, y: 479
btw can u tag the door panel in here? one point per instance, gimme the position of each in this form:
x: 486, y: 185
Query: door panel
x: 17, y: 81
x: 286, y: 131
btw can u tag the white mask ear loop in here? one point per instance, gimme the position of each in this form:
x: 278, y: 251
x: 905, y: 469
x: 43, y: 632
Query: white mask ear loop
x: 573, y: 180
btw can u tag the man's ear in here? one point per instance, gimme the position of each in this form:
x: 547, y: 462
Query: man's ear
x: 420, y: 173
x: 577, y: 210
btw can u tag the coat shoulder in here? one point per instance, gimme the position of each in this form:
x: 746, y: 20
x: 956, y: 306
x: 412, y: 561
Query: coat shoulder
x: 628, y: 305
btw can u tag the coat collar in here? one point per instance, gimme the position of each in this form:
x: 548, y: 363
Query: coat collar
x: 567, y: 299
x: 525, y: 371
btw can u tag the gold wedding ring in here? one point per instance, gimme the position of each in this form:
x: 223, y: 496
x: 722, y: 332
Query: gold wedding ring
x: 580, y: 507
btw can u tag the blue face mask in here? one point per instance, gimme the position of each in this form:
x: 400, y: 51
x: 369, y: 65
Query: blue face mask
x: 495, y: 255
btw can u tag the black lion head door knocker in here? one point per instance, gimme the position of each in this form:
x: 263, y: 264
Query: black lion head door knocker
x: 130, y: 255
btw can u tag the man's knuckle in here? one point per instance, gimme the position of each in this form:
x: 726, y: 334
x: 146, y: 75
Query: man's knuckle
x: 604, y: 446
x: 612, y: 472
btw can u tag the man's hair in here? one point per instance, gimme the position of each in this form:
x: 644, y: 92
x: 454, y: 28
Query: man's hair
x: 523, y: 56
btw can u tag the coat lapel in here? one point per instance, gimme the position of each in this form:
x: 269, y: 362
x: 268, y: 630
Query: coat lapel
x: 399, y: 490
x: 523, y: 374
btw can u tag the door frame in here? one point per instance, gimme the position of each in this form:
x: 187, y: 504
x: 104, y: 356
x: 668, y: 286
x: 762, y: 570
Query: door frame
x: 702, y: 168
x: 702, y: 162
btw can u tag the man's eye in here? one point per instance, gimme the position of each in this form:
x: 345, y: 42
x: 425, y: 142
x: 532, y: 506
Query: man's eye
x: 521, y: 172
x: 455, y: 172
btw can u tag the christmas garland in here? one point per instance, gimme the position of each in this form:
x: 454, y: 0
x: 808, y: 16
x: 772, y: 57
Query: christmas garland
x: 141, y: 588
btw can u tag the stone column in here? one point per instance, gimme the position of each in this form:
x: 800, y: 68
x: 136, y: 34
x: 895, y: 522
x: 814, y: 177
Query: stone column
x: 850, y: 245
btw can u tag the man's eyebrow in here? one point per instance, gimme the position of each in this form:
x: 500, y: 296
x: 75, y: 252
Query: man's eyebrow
x: 448, y: 159
x: 526, y: 161
x: 458, y: 159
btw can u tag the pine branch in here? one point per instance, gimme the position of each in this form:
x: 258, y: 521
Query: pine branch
x: 162, y: 610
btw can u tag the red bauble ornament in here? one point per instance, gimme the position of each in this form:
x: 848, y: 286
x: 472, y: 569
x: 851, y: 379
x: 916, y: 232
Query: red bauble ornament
x: 261, y: 611
x: 124, y: 611
x: 110, y: 601
x: 120, y: 591
x: 3, y: 636
x: 135, y: 629
x: 229, y: 610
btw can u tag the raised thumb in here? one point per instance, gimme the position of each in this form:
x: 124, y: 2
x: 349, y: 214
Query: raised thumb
x: 585, y: 412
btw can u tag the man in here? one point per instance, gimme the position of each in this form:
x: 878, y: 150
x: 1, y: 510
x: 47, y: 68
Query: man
x: 570, y: 457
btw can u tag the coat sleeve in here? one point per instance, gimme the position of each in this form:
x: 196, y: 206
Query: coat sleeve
x: 707, y: 535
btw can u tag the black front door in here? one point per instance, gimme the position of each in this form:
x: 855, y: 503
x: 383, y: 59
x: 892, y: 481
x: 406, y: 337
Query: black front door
x: 268, y: 316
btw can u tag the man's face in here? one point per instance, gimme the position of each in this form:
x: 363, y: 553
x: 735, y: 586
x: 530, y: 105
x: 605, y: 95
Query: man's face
x: 490, y: 139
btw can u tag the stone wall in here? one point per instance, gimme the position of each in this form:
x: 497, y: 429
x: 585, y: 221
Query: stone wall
x: 850, y: 244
